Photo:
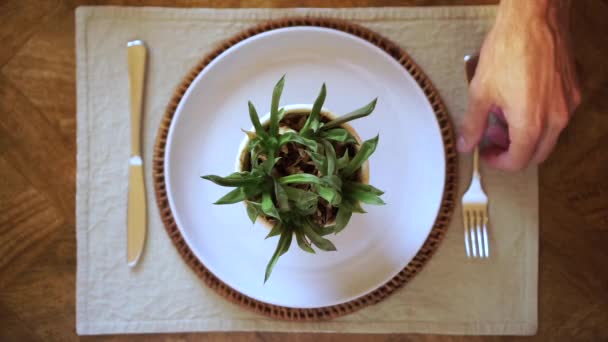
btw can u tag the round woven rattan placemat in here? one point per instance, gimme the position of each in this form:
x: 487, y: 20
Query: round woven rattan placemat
x: 424, y: 254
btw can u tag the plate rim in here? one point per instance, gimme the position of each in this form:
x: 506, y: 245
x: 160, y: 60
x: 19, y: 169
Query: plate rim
x: 436, y: 232
x: 179, y: 114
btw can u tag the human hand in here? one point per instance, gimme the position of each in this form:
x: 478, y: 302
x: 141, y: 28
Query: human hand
x: 526, y: 77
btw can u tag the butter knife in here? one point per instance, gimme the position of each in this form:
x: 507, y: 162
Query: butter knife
x: 136, y: 210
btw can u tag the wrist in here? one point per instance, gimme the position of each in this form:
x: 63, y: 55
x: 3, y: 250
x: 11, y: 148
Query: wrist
x: 522, y: 12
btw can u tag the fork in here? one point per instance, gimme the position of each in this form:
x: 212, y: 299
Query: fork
x: 474, y: 200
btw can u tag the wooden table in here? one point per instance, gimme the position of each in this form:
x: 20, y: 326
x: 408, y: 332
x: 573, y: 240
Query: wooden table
x: 37, y: 181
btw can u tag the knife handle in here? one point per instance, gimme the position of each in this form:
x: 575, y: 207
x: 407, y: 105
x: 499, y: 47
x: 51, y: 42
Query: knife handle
x: 136, y: 54
x: 136, y: 215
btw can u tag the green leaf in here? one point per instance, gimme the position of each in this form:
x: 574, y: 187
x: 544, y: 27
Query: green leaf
x: 253, y: 157
x: 257, y: 172
x: 343, y: 161
x: 271, y: 144
x: 276, y: 230
x: 317, y: 240
x: 281, y: 196
x: 366, y: 150
x: 234, y: 179
x: 255, y: 120
x: 252, y: 212
x: 317, y: 228
x: 268, y: 164
x: 330, y: 195
x: 357, y: 208
x: 365, y: 197
x: 282, y: 246
x: 294, y: 137
x: 305, y: 201
x: 268, y: 206
x: 339, y: 135
x: 304, y: 211
x: 252, y: 191
x: 323, y: 167
x: 351, y: 204
x: 356, y: 186
x: 323, y: 231
x: 288, y: 242
x: 300, y: 178
x: 318, y: 159
x: 312, y: 121
x: 257, y: 206
x: 303, y: 242
x: 356, y: 114
x: 254, y: 147
x: 250, y: 135
x: 330, y: 156
x: 295, y: 194
x: 274, y: 107
x: 333, y: 181
x: 281, y: 114
x: 234, y: 196
x: 342, y: 218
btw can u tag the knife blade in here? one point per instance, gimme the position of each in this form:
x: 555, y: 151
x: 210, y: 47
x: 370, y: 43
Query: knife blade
x: 136, y: 209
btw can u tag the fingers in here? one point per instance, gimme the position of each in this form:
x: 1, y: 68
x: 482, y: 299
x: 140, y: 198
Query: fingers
x: 575, y: 99
x: 475, y: 120
x: 497, y: 133
x: 523, y: 141
x: 499, y: 115
x: 556, y: 120
x: 497, y: 136
x: 556, y: 123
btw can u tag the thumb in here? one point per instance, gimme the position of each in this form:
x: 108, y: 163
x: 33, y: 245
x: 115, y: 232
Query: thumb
x: 475, y: 122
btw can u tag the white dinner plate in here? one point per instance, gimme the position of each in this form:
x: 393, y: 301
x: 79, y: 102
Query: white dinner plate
x: 409, y: 164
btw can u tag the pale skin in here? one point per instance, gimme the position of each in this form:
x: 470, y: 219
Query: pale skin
x: 527, y: 79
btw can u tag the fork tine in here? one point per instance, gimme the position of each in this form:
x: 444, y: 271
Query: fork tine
x: 485, y: 240
x: 466, y: 234
x: 473, y: 223
x: 478, y: 225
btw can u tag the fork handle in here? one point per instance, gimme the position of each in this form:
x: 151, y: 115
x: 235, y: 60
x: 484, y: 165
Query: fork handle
x: 476, y: 161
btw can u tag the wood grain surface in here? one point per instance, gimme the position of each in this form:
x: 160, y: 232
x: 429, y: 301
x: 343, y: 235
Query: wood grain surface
x: 37, y: 181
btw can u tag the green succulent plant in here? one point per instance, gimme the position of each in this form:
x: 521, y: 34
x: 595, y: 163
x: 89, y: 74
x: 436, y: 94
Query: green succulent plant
x: 303, y: 179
